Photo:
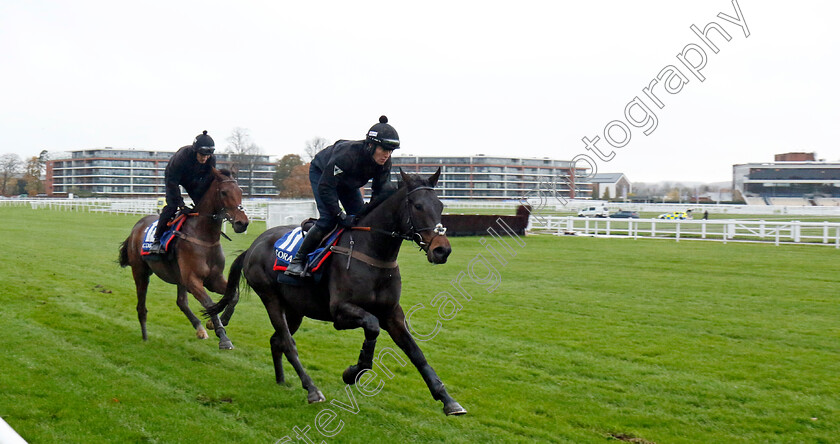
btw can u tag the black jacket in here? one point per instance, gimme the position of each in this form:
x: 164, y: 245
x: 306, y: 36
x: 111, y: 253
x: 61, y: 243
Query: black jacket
x: 183, y: 169
x: 347, y: 164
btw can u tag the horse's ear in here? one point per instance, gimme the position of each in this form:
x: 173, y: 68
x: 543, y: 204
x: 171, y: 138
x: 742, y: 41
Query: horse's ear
x: 434, y: 178
x: 406, y: 180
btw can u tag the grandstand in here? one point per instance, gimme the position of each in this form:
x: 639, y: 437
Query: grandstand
x: 794, y: 179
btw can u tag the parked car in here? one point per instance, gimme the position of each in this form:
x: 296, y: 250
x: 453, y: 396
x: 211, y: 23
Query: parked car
x: 626, y: 214
x: 594, y: 212
x: 673, y: 215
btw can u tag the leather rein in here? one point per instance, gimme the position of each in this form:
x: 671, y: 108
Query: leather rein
x: 223, y: 215
x: 413, y: 235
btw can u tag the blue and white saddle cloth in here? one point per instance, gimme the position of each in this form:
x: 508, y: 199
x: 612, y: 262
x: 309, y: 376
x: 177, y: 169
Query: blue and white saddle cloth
x: 287, y: 247
x: 165, y: 239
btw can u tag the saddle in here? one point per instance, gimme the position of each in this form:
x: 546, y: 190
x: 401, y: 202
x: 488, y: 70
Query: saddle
x: 165, y: 239
x: 288, y: 245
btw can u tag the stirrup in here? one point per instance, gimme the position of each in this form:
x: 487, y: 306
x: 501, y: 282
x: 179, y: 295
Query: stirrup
x: 157, y: 248
x: 296, y: 269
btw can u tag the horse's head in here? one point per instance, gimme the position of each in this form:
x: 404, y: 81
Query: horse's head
x: 422, y: 220
x: 228, y: 200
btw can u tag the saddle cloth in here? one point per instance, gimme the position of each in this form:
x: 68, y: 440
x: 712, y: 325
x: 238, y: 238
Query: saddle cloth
x: 165, y: 239
x: 287, y: 246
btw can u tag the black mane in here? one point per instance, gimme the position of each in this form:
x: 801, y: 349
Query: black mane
x: 390, y: 190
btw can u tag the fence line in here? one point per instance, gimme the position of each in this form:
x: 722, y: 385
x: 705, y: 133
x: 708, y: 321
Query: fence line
x: 256, y: 209
x: 822, y: 233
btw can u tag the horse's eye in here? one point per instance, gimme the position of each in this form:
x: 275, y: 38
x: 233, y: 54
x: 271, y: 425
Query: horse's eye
x: 224, y: 193
x: 418, y: 206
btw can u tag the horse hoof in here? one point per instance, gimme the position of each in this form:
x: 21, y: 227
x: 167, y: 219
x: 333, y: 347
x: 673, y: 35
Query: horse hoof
x: 225, y: 345
x: 316, y: 396
x: 209, y: 325
x: 349, y: 375
x: 454, y: 408
x: 201, y: 334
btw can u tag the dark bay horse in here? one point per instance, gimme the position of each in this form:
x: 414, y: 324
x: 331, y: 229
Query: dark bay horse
x: 361, y: 289
x: 198, y: 260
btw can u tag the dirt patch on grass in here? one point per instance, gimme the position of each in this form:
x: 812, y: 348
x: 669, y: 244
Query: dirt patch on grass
x: 629, y: 438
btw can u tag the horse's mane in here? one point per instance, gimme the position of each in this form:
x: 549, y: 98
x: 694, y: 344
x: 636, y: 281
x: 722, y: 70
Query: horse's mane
x: 383, y: 195
x: 225, y: 172
x: 390, y: 190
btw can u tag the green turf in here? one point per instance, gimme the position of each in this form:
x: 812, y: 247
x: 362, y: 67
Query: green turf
x: 583, y: 340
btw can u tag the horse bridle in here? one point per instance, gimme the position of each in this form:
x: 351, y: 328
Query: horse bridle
x: 414, y: 235
x: 224, y: 214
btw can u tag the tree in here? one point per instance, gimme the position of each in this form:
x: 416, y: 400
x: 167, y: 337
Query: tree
x: 10, y: 164
x: 606, y: 195
x: 43, y: 157
x: 243, y: 152
x: 296, y: 185
x: 32, y: 176
x: 284, y: 169
x: 313, y: 146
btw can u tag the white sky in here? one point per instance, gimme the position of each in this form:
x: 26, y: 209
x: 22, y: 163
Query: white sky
x: 524, y: 79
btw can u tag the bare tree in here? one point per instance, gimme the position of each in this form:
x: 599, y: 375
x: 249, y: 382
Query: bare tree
x: 243, y: 155
x: 10, y: 164
x: 313, y: 146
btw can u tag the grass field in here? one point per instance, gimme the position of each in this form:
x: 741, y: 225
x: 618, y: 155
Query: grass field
x: 584, y: 340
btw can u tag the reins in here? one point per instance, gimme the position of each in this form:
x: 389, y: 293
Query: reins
x: 414, y: 233
x: 216, y: 216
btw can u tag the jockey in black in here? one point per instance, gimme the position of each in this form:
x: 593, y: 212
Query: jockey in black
x: 191, y: 167
x: 337, y: 173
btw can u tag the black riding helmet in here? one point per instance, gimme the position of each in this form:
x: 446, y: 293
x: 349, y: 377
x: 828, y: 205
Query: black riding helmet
x: 204, y: 144
x: 384, y: 135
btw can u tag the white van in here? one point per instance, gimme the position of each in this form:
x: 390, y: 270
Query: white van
x: 601, y: 211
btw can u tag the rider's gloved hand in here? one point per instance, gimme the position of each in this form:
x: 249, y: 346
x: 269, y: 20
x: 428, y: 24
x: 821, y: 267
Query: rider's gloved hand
x: 346, y: 220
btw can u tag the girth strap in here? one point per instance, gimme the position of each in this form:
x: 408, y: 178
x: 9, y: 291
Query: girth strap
x: 363, y: 257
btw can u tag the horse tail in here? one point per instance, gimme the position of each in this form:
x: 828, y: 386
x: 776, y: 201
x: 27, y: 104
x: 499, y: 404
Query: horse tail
x: 124, y: 254
x: 234, y: 276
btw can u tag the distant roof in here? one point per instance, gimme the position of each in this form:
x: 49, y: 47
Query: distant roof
x: 607, y: 177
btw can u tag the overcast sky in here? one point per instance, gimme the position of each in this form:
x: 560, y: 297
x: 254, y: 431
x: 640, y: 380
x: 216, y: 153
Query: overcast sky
x: 521, y: 79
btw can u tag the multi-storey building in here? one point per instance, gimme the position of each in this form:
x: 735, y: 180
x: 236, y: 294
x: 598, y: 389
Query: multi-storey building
x: 794, y: 179
x: 140, y: 173
x: 486, y: 177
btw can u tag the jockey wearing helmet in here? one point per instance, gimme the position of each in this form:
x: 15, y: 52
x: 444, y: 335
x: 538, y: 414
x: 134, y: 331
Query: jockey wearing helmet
x: 337, y: 173
x: 191, y: 167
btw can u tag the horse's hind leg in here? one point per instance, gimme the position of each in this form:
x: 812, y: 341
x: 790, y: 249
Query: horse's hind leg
x: 283, y: 344
x: 348, y: 316
x: 228, y: 313
x: 395, y: 325
x: 141, y: 282
x: 184, y: 305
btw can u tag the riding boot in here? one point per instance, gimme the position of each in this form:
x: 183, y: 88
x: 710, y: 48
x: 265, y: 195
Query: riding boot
x: 297, y: 266
x: 156, y: 247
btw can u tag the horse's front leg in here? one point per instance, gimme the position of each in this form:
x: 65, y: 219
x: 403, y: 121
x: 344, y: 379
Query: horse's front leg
x: 195, y: 285
x: 217, y: 284
x: 348, y: 316
x: 184, y: 305
x: 395, y: 326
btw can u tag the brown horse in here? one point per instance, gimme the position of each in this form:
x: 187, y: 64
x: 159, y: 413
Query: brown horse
x: 361, y: 288
x: 198, y: 260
